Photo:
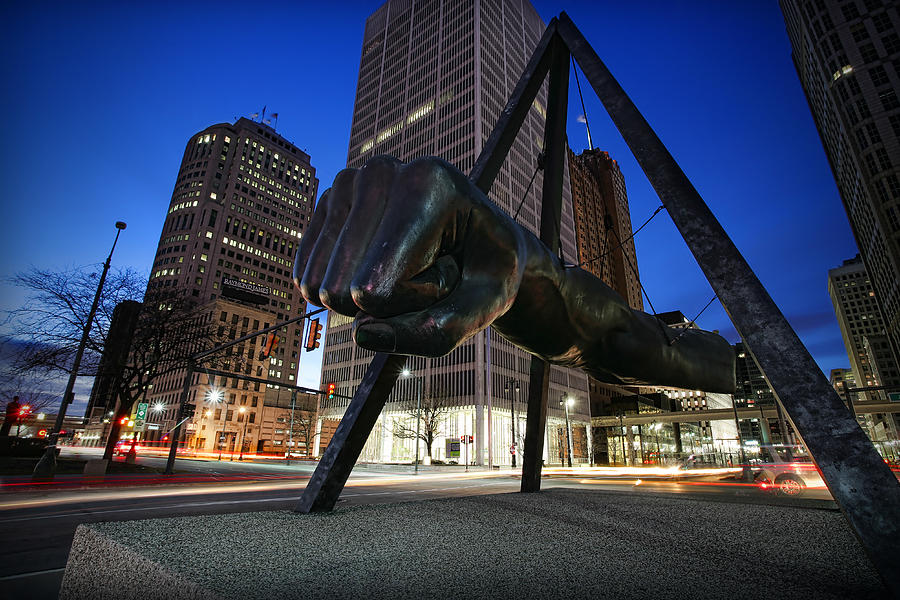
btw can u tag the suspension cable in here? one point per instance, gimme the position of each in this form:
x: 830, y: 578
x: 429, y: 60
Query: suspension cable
x: 583, y: 111
x: 691, y: 323
x: 634, y: 233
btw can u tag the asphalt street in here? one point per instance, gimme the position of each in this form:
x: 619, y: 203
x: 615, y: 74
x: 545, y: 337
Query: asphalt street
x: 38, y: 524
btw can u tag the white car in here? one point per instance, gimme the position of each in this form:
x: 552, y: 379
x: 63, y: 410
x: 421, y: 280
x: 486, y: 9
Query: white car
x: 788, y: 470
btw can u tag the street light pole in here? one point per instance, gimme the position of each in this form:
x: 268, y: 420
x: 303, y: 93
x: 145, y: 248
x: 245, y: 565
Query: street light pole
x: 46, y: 467
x: 406, y: 373
x: 512, y: 410
x: 566, y: 402
x: 242, y: 410
x: 418, y: 423
x: 224, y: 421
x: 291, y: 432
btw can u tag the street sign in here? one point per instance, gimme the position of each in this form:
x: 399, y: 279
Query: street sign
x: 512, y: 449
x: 141, y: 413
x: 894, y: 396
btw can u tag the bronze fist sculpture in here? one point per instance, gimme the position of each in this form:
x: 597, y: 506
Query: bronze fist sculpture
x: 423, y: 261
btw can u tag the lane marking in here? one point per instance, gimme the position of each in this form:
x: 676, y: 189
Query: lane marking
x: 32, y: 574
x: 224, y: 502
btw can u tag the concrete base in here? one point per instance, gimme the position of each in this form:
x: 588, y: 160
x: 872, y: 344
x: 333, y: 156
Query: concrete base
x: 96, y: 467
x: 555, y: 544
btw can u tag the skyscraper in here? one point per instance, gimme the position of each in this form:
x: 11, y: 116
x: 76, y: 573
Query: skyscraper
x: 242, y: 199
x: 434, y: 76
x: 603, y: 223
x: 847, y: 55
x: 862, y: 327
x: 604, y: 247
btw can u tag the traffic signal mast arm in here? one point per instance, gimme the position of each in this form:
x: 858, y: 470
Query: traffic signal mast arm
x: 191, y: 366
x: 207, y: 353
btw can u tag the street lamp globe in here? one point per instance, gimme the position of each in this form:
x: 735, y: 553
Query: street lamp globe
x: 158, y: 407
x: 405, y: 372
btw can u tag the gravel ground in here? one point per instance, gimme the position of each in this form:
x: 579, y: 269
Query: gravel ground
x: 555, y: 544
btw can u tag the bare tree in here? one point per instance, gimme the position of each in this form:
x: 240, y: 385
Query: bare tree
x: 169, y: 328
x: 430, y: 417
x: 161, y: 333
x: 305, y: 429
x: 48, y: 327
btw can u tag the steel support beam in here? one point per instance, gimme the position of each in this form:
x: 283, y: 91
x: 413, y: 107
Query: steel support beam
x: 859, y: 480
x: 551, y: 210
x: 327, y: 482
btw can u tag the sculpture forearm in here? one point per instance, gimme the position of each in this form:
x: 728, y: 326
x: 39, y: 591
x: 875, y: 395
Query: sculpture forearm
x: 569, y: 317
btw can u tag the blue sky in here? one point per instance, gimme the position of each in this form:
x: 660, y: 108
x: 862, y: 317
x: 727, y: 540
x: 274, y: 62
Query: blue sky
x: 102, y: 97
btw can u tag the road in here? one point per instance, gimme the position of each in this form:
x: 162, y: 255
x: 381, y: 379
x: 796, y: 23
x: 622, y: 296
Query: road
x: 39, y: 525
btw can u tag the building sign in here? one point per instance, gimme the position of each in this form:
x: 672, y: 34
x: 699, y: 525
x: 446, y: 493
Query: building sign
x: 452, y: 449
x: 245, y: 291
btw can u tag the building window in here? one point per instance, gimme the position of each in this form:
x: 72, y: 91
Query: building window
x: 879, y: 75
x: 882, y: 22
x: 850, y: 11
x: 889, y: 99
x: 872, y: 130
x: 868, y: 53
x: 863, y: 108
x: 895, y: 124
x: 883, y: 160
x: 891, y: 43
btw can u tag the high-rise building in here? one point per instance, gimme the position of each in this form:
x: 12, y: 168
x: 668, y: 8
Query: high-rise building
x: 847, y: 55
x: 604, y: 244
x: 604, y: 248
x: 862, y: 327
x: 434, y: 77
x: 871, y: 361
x: 242, y: 199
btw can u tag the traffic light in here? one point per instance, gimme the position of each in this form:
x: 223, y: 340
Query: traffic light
x: 313, y: 336
x: 331, y: 387
x: 23, y: 411
x: 271, y: 344
x: 188, y: 410
x: 123, y: 420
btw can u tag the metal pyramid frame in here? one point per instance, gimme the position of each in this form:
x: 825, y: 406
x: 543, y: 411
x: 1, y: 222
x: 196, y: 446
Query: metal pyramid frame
x: 861, y: 483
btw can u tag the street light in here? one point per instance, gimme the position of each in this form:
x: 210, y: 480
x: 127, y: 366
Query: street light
x: 46, y: 467
x: 656, y: 428
x: 216, y: 395
x: 567, y: 402
x: 512, y: 407
x: 406, y: 373
x: 242, y: 410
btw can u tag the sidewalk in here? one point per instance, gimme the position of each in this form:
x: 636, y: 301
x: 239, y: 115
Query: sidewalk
x: 560, y: 543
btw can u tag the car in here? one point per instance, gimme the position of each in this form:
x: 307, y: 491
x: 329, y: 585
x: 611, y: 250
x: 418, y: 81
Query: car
x: 786, y: 470
x: 121, y: 448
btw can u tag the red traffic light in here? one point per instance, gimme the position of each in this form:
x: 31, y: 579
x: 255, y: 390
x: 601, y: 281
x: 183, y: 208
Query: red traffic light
x: 123, y: 420
x: 331, y: 388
